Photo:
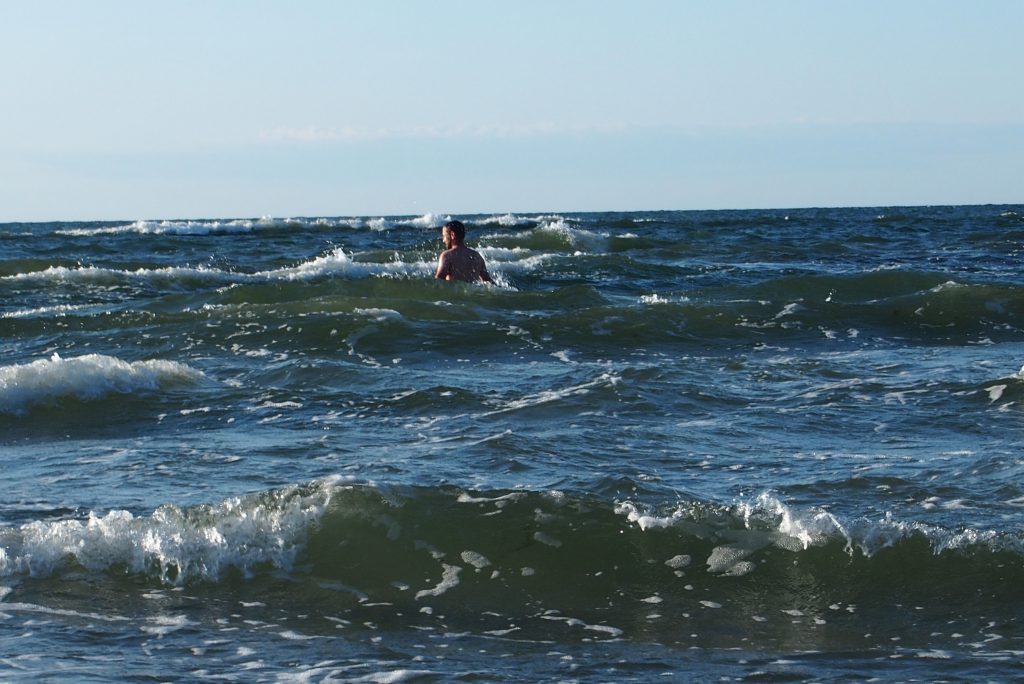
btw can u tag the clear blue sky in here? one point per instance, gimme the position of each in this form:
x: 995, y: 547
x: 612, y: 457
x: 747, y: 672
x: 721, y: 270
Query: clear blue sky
x: 213, y: 108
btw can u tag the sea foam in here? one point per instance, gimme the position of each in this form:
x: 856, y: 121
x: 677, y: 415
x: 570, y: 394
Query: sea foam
x: 766, y: 521
x: 86, y: 377
x: 178, y: 544
x: 338, y: 262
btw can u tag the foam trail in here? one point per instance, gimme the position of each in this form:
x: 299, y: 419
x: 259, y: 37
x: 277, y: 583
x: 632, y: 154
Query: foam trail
x: 86, y: 377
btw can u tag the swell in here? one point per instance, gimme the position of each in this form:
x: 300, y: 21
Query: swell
x: 386, y: 540
x: 47, y: 382
x: 566, y: 252
x: 530, y: 565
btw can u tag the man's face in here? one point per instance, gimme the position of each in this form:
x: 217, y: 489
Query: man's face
x: 446, y: 238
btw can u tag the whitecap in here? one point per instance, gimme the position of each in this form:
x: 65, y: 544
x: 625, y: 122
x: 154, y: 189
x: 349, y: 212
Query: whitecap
x: 995, y: 392
x: 577, y: 237
x: 425, y: 221
x: 178, y: 544
x: 338, y: 262
x: 58, y: 310
x: 86, y: 377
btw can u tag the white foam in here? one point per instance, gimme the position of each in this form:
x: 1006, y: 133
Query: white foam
x: 576, y: 622
x: 507, y: 220
x: 58, y: 310
x: 767, y: 521
x: 389, y: 677
x: 378, y: 314
x: 163, y: 625
x: 789, y: 310
x: 292, y: 635
x: 86, y: 377
x: 477, y: 560
x: 65, y: 612
x: 93, y: 274
x: 449, y: 580
x: 576, y: 237
x: 503, y: 253
x: 948, y: 285
x: 181, y: 227
x: 177, y: 544
x: 728, y: 560
x: 607, y: 629
x: 603, y: 380
x: 380, y: 224
x: 647, y: 520
x: 498, y: 500
x: 677, y: 562
x: 188, y: 227
x: 524, y: 265
x: 810, y: 527
x: 383, y: 224
x: 426, y: 221
x: 337, y: 262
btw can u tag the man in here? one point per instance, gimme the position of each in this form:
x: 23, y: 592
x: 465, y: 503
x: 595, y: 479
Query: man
x: 457, y: 261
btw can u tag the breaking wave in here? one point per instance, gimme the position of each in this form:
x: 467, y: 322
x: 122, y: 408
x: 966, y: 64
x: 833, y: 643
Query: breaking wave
x: 86, y: 377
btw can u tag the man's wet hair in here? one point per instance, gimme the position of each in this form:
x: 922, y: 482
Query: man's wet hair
x: 457, y: 228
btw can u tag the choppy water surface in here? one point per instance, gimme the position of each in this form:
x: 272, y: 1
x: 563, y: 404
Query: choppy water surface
x: 772, y: 445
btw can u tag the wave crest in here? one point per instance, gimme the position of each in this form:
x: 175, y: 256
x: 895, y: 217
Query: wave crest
x: 86, y: 377
x: 176, y: 544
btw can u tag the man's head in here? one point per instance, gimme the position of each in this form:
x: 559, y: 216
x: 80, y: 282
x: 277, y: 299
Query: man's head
x: 453, y: 232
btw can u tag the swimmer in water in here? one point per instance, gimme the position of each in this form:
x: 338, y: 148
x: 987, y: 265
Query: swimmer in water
x: 457, y: 261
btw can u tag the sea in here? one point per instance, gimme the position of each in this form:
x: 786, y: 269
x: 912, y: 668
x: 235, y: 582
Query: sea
x: 751, y: 445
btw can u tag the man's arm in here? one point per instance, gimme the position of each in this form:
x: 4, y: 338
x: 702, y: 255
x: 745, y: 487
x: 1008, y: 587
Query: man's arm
x: 443, y: 266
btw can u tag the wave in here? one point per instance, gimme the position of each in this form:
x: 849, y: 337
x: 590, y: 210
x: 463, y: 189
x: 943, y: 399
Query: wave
x: 200, y: 227
x: 86, y: 377
x: 338, y: 262
x: 334, y: 263
x: 173, y: 544
x: 113, y: 276
x: 515, y: 220
x: 821, y: 310
x: 385, y: 540
x: 535, y: 565
x: 827, y: 310
x: 188, y: 227
x: 270, y: 224
x: 56, y: 310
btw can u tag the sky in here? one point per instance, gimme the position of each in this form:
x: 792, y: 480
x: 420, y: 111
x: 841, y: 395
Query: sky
x: 120, y: 109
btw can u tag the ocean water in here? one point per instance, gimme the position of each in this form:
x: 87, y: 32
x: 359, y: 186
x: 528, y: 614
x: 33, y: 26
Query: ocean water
x: 666, y: 446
